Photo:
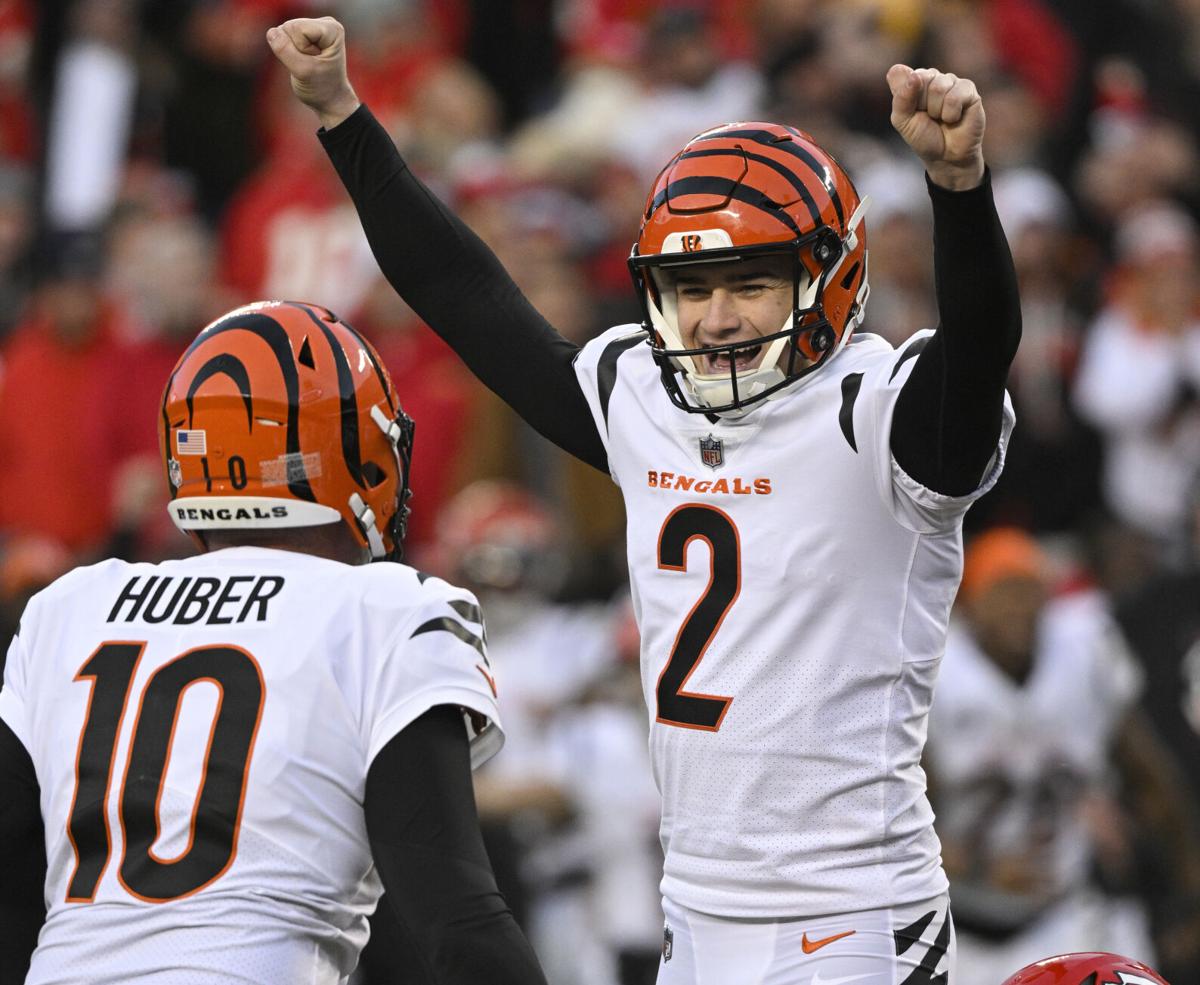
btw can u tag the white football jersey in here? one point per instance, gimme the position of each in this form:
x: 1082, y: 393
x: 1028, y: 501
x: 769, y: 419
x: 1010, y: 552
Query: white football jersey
x: 1014, y: 762
x: 792, y: 587
x: 201, y: 731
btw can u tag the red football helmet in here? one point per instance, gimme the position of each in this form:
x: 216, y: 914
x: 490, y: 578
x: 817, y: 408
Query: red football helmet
x: 744, y: 190
x: 1087, y: 968
x: 497, y: 535
x: 281, y: 415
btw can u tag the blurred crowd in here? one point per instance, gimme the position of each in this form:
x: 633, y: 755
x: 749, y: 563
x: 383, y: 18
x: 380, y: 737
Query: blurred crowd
x: 155, y: 171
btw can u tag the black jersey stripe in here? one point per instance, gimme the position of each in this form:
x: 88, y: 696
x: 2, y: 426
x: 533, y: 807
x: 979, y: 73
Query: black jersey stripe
x: 915, y: 349
x: 724, y: 188
x: 606, y: 371
x: 467, y: 610
x: 791, y: 177
x: 787, y: 147
x: 226, y: 364
x: 851, y: 384
x: 448, y: 625
x: 271, y: 332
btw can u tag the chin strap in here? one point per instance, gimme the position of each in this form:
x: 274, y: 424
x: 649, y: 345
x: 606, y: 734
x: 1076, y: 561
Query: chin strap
x: 399, y: 432
x: 366, y: 523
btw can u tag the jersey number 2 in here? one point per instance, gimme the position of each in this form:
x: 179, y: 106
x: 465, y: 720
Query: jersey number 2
x: 216, y: 815
x: 685, y: 524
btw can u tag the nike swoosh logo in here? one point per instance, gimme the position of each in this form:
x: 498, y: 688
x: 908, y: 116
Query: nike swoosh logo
x: 810, y: 946
x: 818, y: 980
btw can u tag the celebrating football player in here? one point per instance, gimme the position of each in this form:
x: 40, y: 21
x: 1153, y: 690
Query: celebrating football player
x: 794, y: 493
x: 267, y: 735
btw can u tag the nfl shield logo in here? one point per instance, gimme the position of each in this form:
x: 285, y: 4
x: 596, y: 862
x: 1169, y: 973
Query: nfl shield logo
x: 175, y: 471
x: 712, y: 452
x: 668, y: 943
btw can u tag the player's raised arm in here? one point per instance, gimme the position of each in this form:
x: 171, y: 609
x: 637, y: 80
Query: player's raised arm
x: 948, y: 416
x: 443, y: 270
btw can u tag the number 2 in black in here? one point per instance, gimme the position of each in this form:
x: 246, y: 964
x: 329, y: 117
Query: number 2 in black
x: 216, y: 817
x: 685, y: 524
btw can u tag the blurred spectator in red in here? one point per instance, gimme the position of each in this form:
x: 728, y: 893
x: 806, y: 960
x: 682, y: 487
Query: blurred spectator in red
x: 17, y: 140
x: 438, y: 393
x: 1136, y: 154
x: 1139, y: 378
x: 54, y: 401
x: 398, y: 42
x: 161, y: 271
x: 290, y: 231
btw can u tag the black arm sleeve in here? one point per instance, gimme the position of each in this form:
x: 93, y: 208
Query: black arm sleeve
x: 948, y: 414
x: 22, y: 859
x: 457, y: 285
x: 424, y: 832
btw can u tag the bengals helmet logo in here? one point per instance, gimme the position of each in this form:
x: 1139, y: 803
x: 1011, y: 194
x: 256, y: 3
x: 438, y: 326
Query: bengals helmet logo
x: 692, y: 243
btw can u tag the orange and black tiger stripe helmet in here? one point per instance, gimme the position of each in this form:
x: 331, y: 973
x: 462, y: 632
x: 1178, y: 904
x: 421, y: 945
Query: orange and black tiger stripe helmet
x: 742, y: 190
x: 281, y: 415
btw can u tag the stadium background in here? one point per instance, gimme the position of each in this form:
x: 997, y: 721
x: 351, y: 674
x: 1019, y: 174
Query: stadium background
x: 155, y: 171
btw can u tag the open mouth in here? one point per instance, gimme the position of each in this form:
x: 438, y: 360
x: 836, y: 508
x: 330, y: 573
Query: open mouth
x: 721, y: 363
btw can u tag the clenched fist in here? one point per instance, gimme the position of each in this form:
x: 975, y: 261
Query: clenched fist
x: 313, y: 50
x: 940, y: 116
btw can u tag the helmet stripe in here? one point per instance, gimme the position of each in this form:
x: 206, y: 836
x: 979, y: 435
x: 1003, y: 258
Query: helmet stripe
x: 274, y: 334
x: 229, y: 365
x: 383, y: 378
x: 787, y: 147
x: 724, y: 188
x: 774, y: 165
x: 351, y: 452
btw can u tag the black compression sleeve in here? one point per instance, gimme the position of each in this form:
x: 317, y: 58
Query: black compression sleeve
x: 22, y: 859
x: 457, y: 285
x: 948, y: 414
x: 424, y: 832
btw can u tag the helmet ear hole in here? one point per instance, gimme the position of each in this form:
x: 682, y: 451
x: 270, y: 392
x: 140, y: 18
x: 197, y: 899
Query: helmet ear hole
x: 373, y: 474
x: 849, y: 278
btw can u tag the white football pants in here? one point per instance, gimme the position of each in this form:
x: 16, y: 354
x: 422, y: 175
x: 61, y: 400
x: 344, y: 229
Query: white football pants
x: 905, y: 945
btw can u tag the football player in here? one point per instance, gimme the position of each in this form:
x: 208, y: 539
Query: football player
x: 1040, y: 812
x: 228, y: 757
x: 794, y: 495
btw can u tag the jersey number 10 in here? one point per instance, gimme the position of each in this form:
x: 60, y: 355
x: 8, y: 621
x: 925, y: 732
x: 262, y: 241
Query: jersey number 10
x: 216, y: 816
